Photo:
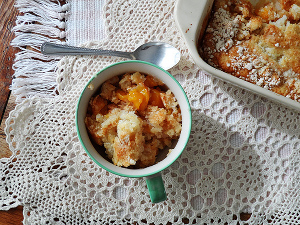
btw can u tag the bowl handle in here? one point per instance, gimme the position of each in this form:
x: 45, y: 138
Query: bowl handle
x: 156, y: 188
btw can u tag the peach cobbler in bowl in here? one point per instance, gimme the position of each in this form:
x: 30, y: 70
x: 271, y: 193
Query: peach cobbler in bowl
x: 133, y: 119
x: 133, y: 116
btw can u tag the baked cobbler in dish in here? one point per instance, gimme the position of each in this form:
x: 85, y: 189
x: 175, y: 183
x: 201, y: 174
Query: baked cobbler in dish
x: 257, y: 41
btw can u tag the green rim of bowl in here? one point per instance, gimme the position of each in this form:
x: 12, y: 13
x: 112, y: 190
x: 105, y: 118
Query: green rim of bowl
x: 79, y: 134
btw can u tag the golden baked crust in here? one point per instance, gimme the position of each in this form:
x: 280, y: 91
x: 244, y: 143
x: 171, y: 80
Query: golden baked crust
x: 258, y: 42
x: 133, y: 117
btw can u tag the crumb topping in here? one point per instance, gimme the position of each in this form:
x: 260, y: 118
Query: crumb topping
x: 257, y: 41
x: 133, y: 117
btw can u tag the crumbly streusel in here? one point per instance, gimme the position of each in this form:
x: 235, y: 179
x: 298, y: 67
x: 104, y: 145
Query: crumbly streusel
x: 258, y: 42
x: 133, y: 117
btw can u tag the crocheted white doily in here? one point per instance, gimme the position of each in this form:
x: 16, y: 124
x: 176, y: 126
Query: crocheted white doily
x: 242, y: 155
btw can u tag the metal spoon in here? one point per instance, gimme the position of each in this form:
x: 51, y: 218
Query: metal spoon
x: 162, y: 54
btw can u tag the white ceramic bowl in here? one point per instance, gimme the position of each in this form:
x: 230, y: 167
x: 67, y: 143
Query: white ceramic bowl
x: 119, y: 69
x: 191, y: 17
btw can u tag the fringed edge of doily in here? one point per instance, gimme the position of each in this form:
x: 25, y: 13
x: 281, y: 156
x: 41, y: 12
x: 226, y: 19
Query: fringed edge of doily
x: 39, y: 21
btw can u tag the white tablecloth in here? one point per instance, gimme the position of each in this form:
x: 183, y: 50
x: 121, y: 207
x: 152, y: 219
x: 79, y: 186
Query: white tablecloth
x: 242, y: 155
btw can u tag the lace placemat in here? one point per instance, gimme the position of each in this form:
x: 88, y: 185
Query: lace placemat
x: 242, y: 155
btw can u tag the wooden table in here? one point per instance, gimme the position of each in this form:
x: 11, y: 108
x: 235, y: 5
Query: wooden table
x: 8, y: 14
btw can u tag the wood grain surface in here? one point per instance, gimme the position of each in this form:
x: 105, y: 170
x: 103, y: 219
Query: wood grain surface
x: 7, y: 21
x: 8, y: 14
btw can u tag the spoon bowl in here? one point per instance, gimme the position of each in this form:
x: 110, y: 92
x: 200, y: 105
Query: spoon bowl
x: 159, y: 53
x: 162, y: 54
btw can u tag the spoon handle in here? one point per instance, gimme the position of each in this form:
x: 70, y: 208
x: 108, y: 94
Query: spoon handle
x: 48, y: 48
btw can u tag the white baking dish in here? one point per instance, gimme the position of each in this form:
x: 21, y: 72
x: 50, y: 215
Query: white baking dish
x: 191, y: 17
